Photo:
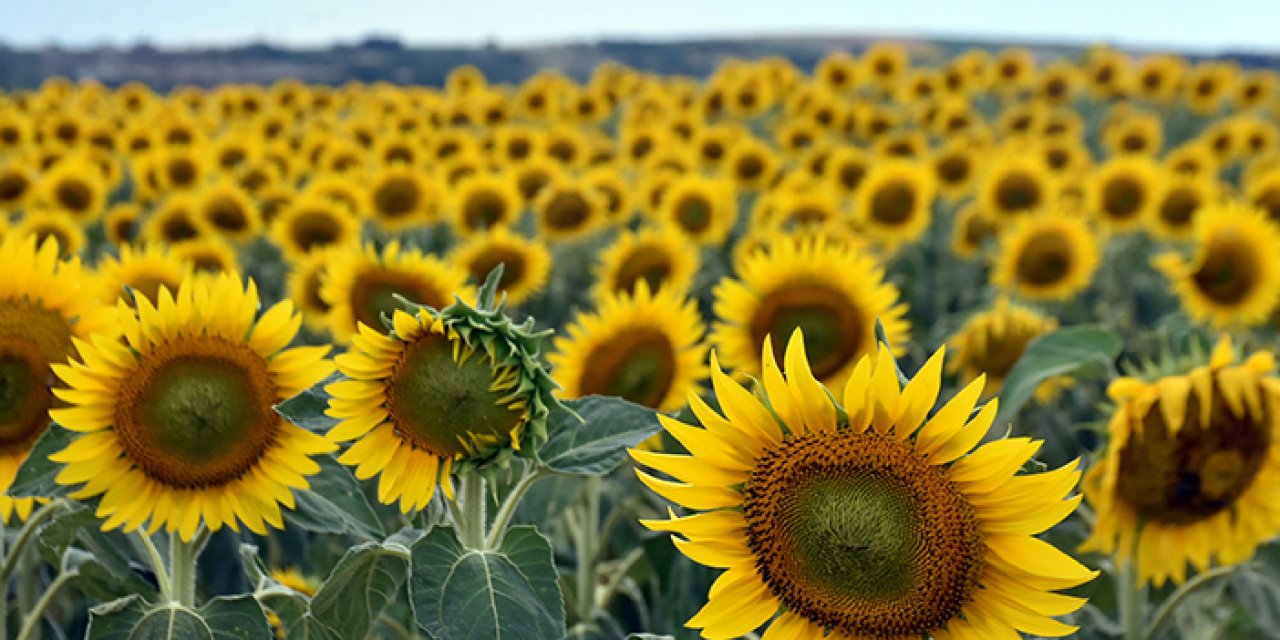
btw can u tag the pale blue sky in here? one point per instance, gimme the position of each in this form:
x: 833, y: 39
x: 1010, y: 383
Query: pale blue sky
x: 1200, y: 25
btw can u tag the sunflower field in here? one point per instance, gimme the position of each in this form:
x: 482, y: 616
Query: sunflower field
x: 966, y: 348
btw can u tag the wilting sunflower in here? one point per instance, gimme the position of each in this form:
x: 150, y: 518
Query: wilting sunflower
x: 176, y: 426
x: 229, y: 210
x: 1190, y: 472
x: 526, y: 262
x: 704, y: 209
x: 642, y: 346
x: 829, y: 289
x: 43, y: 309
x: 442, y: 389
x: 867, y: 520
x: 895, y: 201
x: 401, y: 197
x: 142, y: 268
x: 1015, y: 184
x: 1180, y: 203
x: 360, y: 285
x: 76, y: 187
x: 567, y: 209
x: 312, y: 223
x: 662, y: 257
x: 992, y: 341
x: 486, y: 201
x: 1048, y: 256
x: 53, y: 224
x: 1123, y: 192
x: 1234, y: 277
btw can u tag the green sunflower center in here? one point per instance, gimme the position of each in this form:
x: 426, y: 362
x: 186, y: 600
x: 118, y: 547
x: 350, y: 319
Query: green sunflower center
x: 1018, y: 192
x: 1228, y: 272
x: 637, y: 365
x: 197, y: 412
x: 1185, y: 477
x: 858, y: 534
x: 24, y: 394
x: 834, y: 329
x: 451, y: 405
x: 693, y: 213
x: 893, y: 204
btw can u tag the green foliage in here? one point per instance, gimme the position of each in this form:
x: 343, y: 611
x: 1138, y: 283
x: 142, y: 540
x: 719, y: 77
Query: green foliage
x: 132, y: 618
x: 358, y: 589
x: 335, y: 504
x: 596, y: 439
x: 35, y: 478
x: 1082, y: 352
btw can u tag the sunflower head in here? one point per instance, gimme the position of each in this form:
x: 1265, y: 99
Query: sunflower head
x: 458, y: 387
x: 863, y: 518
x: 991, y: 342
x: 1049, y: 256
x: 895, y: 201
x: 1186, y: 476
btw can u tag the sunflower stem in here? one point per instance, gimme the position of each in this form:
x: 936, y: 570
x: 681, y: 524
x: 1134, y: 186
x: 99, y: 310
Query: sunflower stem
x: 14, y: 554
x: 1167, y: 608
x: 588, y: 532
x: 182, y: 563
x: 1131, y: 596
x: 502, y: 519
x: 471, y: 523
x: 157, y: 566
x: 31, y: 624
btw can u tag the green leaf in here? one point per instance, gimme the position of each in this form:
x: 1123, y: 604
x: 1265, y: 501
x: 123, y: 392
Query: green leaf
x: 360, y: 586
x: 649, y: 636
x: 509, y: 592
x: 307, y: 408
x: 131, y: 618
x: 102, y: 559
x: 612, y: 425
x: 335, y: 504
x: 1082, y: 351
x: 36, y: 473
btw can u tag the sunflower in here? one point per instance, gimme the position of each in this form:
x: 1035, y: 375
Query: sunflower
x: 751, y: 163
x: 516, y: 144
x: 1234, y: 277
x: 955, y: 167
x: 991, y: 342
x: 342, y: 189
x: 306, y: 276
x: 1180, y: 203
x: 662, y: 257
x: 895, y: 202
x: 176, y: 220
x: 1263, y: 192
x: 229, y: 210
x: 532, y: 177
x: 837, y: 70
x: 1208, y: 84
x: 443, y: 389
x: 973, y: 228
x: 176, y: 427
x: 830, y: 290
x: 614, y: 189
x: 704, y: 209
x: 784, y: 480
x: 883, y: 63
x: 1014, y: 68
x: 120, y: 224
x: 1013, y: 185
x: 17, y: 185
x: 712, y: 144
x: 76, y: 187
x: 1048, y: 256
x: 567, y: 209
x: 641, y: 346
x: 55, y: 225
x: 1257, y: 87
x: 485, y: 201
x: 1191, y: 159
x: 361, y: 285
x: 1158, y: 77
x: 1140, y: 134
x: 43, y: 309
x: 789, y: 210
x: 211, y: 255
x: 526, y: 262
x: 144, y: 269
x: 312, y: 223
x: 401, y: 197
x: 1107, y: 73
x: 1123, y: 192
x: 1189, y: 474
x: 181, y: 168
x: 1057, y: 83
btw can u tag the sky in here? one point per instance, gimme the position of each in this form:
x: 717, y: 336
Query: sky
x: 1188, y: 25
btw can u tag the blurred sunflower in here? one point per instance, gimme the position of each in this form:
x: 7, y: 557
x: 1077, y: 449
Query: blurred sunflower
x: 401, y: 197
x: 313, y: 223
x: 17, y: 186
x: 1234, y: 277
x: 991, y: 342
x: 830, y: 290
x: 175, y: 220
x: 1013, y: 185
x: 52, y: 224
x: 955, y: 167
x: 704, y: 209
x: 973, y: 228
x: 895, y: 201
x: 211, y: 255
x: 661, y: 257
x: 142, y: 269
x: 784, y: 480
x: 229, y: 210
x: 567, y: 209
x: 1188, y: 475
x: 1048, y: 256
x: 484, y: 202
x: 526, y: 262
x: 615, y: 189
x: 1123, y: 192
x: 75, y: 187
x: 1179, y: 205
x: 306, y: 276
x: 751, y: 164
x: 176, y: 427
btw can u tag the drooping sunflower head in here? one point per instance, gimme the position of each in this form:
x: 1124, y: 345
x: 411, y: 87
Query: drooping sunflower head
x: 661, y: 257
x: 176, y: 425
x: 992, y: 341
x: 362, y: 285
x: 1186, y: 477
x: 43, y: 310
x: 704, y: 209
x: 526, y: 262
x: 1049, y: 256
x: 831, y: 290
x: 460, y: 386
x: 644, y: 347
x: 311, y: 223
x: 1234, y: 277
x: 863, y: 520
x: 895, y: 201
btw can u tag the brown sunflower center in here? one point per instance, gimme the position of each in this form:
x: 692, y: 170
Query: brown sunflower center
x: 313, y: 229
x: 693, y: 213
x: 893, y: 204
x: 178, y: 227
x: 749, y: 167
x: 1122, y: 197
x: 445, y: 405
x: 396, y: 197
x: 1178, y: 207
x: 858, y: 534
x: 1185, y: 477
x: 531, y: 181
x: 850, y: 175
x: 1018, y: 192
x: 197, y: 412
x: 182, y: 172
x: 13, y: 186
x: 1002, y: 350
x: 1045, y: 260
x: 24, y: 393
x: 834, y: 329
x: 74, y: 196
x: 1269, y: 201
x: 226, y: 214
x: 651, y: 264
x: 954, y: 169
x: 373, y: 295
x: 567, y: 211
x: 513, y: 270
x: 637, y: 365
x: 1228, y: 270
x: 483, y: 209
x: 977, y: 228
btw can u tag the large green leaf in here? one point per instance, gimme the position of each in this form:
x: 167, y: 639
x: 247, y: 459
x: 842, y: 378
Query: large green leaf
x: 131, y: 618
x: 1082, y: 351
x: 36, y: 473
x: 307, y: 408
x: 507, y: 593
x: 335, y: 504
x: 291, y: 607
x: 360, y: 586
x: 106, y: 568
x: 598, y: 443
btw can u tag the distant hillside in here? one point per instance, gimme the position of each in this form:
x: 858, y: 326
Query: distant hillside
x: 389, y: 60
